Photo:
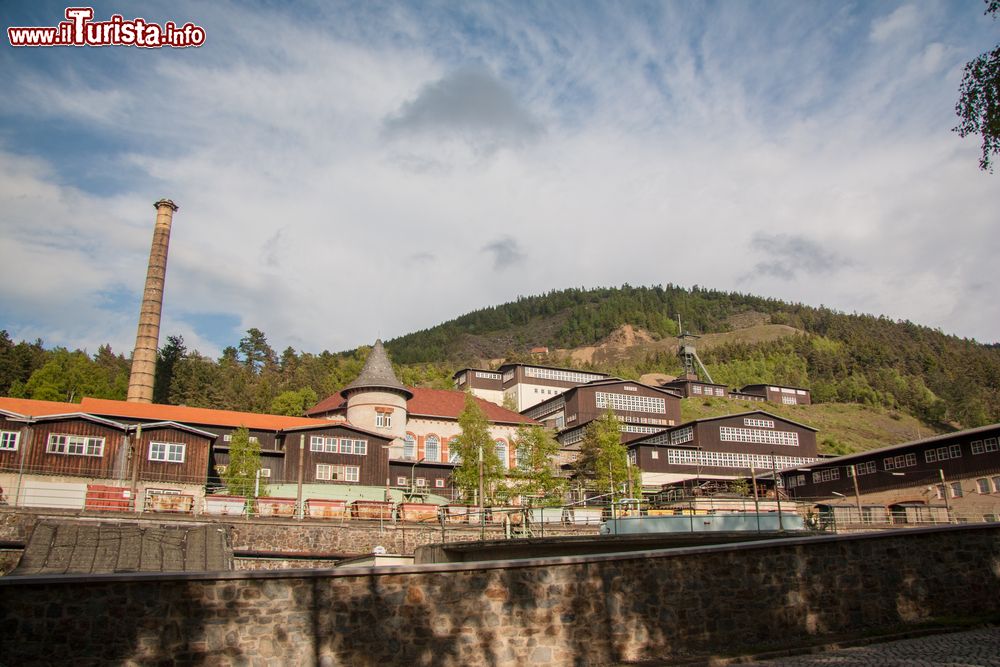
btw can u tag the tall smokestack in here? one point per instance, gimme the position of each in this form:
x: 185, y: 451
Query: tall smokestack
x: 147, y: 339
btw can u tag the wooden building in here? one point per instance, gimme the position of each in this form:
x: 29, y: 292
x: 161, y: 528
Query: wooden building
x: 336, y: 453
x: 640, y: 408
x: 776, y: 394
x: 955, y: 473
x: 724, y: 448
x: 693, y: 388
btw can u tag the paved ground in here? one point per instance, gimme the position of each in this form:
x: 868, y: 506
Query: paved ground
x: 57, y: 547
x: 973, y: 648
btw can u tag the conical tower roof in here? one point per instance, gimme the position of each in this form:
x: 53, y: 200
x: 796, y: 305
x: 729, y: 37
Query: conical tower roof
x: 377, y: 374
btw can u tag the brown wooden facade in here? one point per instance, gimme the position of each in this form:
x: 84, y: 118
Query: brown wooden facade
x: 193, y: 469
x: 49, y: 447
x: 935, y: 463
x: 372, y: 466
x: 727, y: 446
x: 552, y: 376
x: 697, y: 388
x: 478, y: 378
x: 779, y: 394
x: 425, y: 478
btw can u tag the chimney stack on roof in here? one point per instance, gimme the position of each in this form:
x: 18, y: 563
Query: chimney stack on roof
x: 147, y: 339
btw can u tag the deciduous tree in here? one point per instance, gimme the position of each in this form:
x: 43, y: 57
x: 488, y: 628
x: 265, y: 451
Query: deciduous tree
x: 240, y: 476
x: 978, y: 106
x: 536, y: 476
x: 473, y: 443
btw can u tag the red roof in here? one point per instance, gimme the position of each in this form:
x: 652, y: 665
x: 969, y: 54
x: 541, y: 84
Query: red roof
x: 183, y: 414
x: 445, y: 403
x: 30, y: 407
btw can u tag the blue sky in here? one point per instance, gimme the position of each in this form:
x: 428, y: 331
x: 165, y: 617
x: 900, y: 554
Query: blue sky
x: 353, y: 170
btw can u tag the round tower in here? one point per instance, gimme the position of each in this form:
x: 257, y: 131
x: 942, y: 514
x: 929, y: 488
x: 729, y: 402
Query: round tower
x: 376, y: 400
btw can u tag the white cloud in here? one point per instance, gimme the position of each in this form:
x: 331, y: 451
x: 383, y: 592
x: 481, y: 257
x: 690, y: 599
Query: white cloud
x: 671, y: 141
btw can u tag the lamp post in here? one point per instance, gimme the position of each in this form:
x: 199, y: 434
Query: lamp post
x: 944, y: 492
x: 413, y: 469
x: 857, y: 493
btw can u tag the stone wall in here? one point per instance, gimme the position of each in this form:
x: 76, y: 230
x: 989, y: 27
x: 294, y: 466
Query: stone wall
x: 590, y: 610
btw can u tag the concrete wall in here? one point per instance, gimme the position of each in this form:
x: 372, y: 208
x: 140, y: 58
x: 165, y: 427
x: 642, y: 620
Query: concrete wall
x: 574, y: 611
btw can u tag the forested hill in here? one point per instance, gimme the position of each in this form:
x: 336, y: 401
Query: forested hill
x: 847, y: 358
x: 892, y: 366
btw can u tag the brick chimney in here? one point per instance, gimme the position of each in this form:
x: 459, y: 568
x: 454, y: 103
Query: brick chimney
x: 147, y: 339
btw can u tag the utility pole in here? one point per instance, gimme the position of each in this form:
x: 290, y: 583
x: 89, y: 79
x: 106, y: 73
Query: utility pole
x: 482, y: 498
x: 756, y: 499
x: 944, y: 492
x: 857, y: 493
x: 298, y: 494
x: 777, y: 494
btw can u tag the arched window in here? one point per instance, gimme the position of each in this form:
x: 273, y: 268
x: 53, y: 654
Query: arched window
x: 409, y: 447
x: 432, y: 448
x: 502, y: 452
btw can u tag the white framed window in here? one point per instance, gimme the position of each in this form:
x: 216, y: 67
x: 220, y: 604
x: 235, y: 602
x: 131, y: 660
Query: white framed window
x: 265, y: 472
x: 654, y: 454
x: 8, y: 440
x: 409, y: 446
x: 221, y: 468
x: 741, y: 460
x: 401, y: 481
x: 325, y: 471
x: 996, y: 484
x: 754, y: 435
x: 631, y: 456
x: 555, y: 374
x: 439, y: 483
x: 956, y: 490
x: 453, y: 455
x: 501, y: 446
x: 901, y: 461
x: 789, y: 400
x: 629, y: 403
x: 696, y: 389
x: 983, y: 485
x: 432, y: 448
x: 75, y: 445
x: 682, y: 435
x: 762, y: 423
x: 421, y: 481
x: 170, y: 452
x: 354, y: 446
x: 383, y: 419
x: 866, y: 468
x: 319, y: 443
x: 943, y: 453
x: 827, y: 475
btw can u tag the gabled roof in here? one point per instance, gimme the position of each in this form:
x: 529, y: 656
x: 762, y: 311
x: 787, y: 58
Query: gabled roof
x: 181, y: 427
x: 441, y: 403
x: 377, y: 373
x: 602, y: 383
x: 186, y: 415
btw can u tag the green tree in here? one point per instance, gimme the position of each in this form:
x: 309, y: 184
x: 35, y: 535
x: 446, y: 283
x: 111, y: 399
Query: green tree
x: 536, y: 476
x: 472, y: 443
x: 293, y: 403
x: 978, y: 106
x: 603, y: 458
x: 166, y: 361
x: 240, y: 476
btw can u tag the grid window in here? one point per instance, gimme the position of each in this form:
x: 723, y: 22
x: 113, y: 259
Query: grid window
x: 866, y: 468
x: 326, y: 471
x: 383, y: 420
x: 685, y: 434
x: 409, y: 447
x: 983, y: 485
x: 735, y: 434
x: 631, y: 403
x: 432, y: 448
x: 75, y: 445
x: 789, y: 400
x: 742, y: 460
x: 319, y: 443
x: 487, y: 375
x: 827, y: 475
x: 421, y: 481
x: 400, y: 481
x: 696, y: 389
x: 762, y: 423
x: 943, y: 453
x: 171, y: 452
x: 554, y: 374
x: 439, y: 483
x: 501, y: 446
x: 8, y: 440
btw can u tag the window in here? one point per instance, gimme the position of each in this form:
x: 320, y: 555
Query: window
x: 789, y: 400
x: 741, y: 460
x: 318, y: 443
x: 520, y: 458
x: 696, y: 389
x: 762, y: 423
x: 400, y: 481
x: 631, y: 456
x: 654, y: 454
x: 866, y: 468
x: 337, y: 473
x: 983, y: 446
x: 439, y: 483
x: 76, y: 445
x: 432, y: 448
x: 631, y: 403
x: 956, y: 490
x: 228, y: 437
x: 502, y: 452
x: 827, y: 475
x: 755, y: 435
x: 383, y: 419
x: 221, y: 468
x: 554, y: 374
x: 719, y: 391
x: 685, y: 434
x: 453, y: 455
x: 409, y: 447
x: 939, y: 491
x: 996, y: 484
x: 983, y: 485
x: 8, y: 440
x: 943, y: 453
x: 332, y: 445
x: 171, y: 452
x: 901, y: 461
x: 421, y: 481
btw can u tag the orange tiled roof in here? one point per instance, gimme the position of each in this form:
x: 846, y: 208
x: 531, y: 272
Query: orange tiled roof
x: 184, y: 414
x: 30, y: 407
x: 446, y: 403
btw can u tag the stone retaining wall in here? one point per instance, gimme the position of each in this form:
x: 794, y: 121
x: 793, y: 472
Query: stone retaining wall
x: 590, y: 610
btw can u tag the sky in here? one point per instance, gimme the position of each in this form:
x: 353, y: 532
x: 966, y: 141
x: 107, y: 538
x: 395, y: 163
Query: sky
x: 347, y: 171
